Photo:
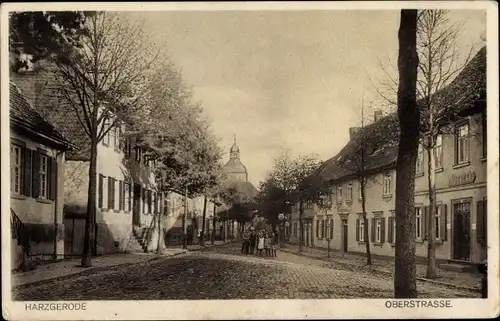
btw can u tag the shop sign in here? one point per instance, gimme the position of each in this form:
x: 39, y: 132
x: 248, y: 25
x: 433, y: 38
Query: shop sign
x: 462, y: 179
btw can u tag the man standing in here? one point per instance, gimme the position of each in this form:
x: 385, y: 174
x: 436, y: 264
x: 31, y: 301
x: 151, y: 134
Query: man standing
x: 253, y: 240
x: 245, y: 244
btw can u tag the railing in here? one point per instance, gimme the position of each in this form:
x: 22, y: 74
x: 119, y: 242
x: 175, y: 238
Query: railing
x: 19, y: 233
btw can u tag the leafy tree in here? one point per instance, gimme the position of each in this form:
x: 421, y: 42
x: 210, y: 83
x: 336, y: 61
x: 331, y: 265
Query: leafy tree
x: 289, y: 182
x: 44, y: 34
x: 101, y: 81
x: 409, y: 122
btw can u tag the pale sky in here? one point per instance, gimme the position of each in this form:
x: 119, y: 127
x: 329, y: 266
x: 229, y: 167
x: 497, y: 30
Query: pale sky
x: 285, y: 80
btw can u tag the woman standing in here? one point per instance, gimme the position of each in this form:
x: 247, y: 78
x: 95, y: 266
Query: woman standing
x: 267, y: 243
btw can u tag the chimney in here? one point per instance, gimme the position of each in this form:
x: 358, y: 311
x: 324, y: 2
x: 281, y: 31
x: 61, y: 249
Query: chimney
x: 353, y: 131
x: 377, y: 114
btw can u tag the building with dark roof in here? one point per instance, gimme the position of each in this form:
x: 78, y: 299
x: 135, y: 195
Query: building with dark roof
x: 460, y: 220
x: 37, y: 161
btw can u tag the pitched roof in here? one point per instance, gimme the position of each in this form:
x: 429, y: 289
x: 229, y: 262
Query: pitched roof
x: 40, y: 88
x: 23, y: 115
x: 382, y: 137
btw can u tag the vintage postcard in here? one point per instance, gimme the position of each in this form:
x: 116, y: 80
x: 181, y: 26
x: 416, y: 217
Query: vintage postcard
x: 249, y: 160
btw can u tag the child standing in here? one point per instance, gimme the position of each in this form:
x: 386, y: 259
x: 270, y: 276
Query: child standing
x: 268, y: 243
x: 260, y: 243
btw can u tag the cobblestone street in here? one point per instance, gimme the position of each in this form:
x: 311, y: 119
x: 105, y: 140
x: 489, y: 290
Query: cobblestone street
x: 223, y: 273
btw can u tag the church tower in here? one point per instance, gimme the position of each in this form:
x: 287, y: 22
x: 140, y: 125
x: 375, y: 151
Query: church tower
x: 234, y: 168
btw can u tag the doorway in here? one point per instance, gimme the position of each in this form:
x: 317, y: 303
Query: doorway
x: 461, y: 230
x: 344, y: 241
x: 136, y: 214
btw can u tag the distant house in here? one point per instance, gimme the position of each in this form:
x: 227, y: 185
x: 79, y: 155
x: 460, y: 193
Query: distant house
x: 460, y: 220
x: 37, y: 165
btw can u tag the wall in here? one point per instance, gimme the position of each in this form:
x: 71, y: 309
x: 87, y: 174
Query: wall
x: 42, y: 218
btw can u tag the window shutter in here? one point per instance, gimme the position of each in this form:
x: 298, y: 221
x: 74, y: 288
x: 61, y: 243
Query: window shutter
x: 425, y: 222
x: 485, y: 223
x: 101, y: 186
x: 26, y: 172
x: 480, y: 223
x: 390, y: 230
x: 357, y: 230
x: 444, y: 231
x: 382, y: 230
x: 110, y: 196
x: 120, y: 196
x: 35, y: 174
x: 317, y: 228
x: 331, y: 228
x: 53, y: 178
x: 373, y: 230
x: 130, y: 196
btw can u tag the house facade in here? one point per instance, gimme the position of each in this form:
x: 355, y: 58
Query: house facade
x: 37, y: 165
x: 460, y: 218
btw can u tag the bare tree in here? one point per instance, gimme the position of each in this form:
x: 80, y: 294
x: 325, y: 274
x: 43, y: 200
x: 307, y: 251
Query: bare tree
x: 101, y: 81
x: 439, y: 62
x: 409, y: 122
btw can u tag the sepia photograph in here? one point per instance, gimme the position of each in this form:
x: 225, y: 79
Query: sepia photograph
x: 249, y: 160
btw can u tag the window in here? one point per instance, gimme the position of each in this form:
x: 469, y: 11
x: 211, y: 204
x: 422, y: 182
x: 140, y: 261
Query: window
x: 387, y: 184
x: 360, y: 197
x: 361, y: 230
x: 101, y: 191
x: 418, y: 222
x: 331, y: 228
x: 420, y: 160
x: 44, y: 181
x: 349, y: 193
x: 462, y: 144
x: 378, y: 230
x: 392, y: 221
x: 15, y: 169
x: 106, y: 139
x: 437, y: 222
x: 438, y: 152
x: 295, y: 229
x: 137, y: 153
x: 111, y: 193
x: 339, y: 194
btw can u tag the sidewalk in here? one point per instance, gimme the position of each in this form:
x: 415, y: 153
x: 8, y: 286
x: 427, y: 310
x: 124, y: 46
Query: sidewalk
x: 461, y: 280
x: 197, y: 247
x: 71, y: 268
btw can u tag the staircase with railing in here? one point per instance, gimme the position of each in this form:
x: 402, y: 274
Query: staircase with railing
x: 20, y: 234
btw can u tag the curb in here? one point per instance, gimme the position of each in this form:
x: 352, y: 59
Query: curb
x: 375, y: 271
x: 88, y: 271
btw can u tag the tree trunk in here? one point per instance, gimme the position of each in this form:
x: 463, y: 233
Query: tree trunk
x: 184, y: 217
x: 214, y: 224
x: 365, y: 220
x: 202, y: 234
x: 409, y: 121
x: 431, y: 227
x: 91, y: 205
x: 158, y: 249
x: 301, y: 224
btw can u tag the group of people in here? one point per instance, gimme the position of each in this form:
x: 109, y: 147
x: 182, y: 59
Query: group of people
x: 262, y: 243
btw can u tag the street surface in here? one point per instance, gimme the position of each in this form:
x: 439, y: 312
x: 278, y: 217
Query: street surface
x: 223, y: 273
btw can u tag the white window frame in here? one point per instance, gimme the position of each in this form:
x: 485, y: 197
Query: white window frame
x: 44, y: 177
x: 393, y: 230
x: 16, y: 165
x: 359, y: 192
x: 106, y: 138
x: 339, y: 193
x: 348, y: 196
x: 387, y: 188
x: 438, y: 152
x: 378, y: 230
x: 420, y: 160
x: 117, y: 138
x: 361, y: 230
x: 462, y: 144
x: 437, y: 222
x: 418, y: 222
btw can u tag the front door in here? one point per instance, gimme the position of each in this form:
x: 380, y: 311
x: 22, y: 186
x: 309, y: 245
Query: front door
x: 344, y: 241
x: 136, y: 214
x: 461, y: 231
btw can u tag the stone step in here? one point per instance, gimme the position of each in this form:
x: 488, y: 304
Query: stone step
x: 457, y: 267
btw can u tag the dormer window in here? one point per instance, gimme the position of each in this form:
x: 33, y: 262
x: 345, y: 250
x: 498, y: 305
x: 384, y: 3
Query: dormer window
x: 387, y: 184
x: 339, y: 194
